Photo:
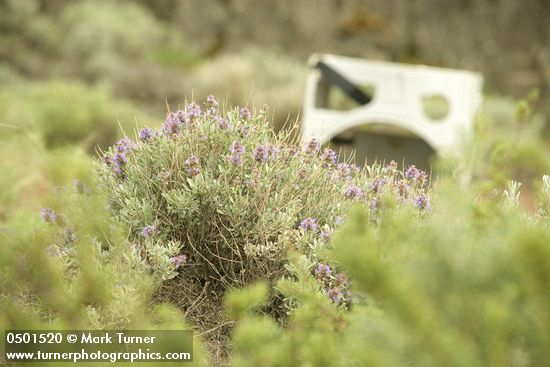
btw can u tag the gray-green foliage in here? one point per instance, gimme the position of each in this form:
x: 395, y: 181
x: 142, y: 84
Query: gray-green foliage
x: 235, y: 213
x: 236, y: 198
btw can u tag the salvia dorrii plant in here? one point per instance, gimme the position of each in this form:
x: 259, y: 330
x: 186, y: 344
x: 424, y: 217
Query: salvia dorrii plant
x: 214, y: 200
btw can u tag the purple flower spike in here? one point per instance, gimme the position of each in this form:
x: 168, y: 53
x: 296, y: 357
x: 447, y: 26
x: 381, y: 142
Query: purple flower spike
x: 223, y: 123
x: 179, y: 260
x: 49, y: 216
x: 261, y: 153
x: 237, y: 151
x: 146, y: 134
x: 118, y: 171
x: 245, y: 114
x: 291, y: 152
x: 376, y: 185
x: 193, y: 111
x: 328, y: 157
x: 119, y: 159
x: 192, y: 165
x: 354, y: 193
x: 414, y: 173
x: 309, y: 224
x: 312, y: 148
x: 148, y: 231
x: 335, y: 295
x: 124, y: 145
x: 422, y: 202
x: 173, y: 122
x: 211, y: 101
x: 274, y: 151
x: 322, y: 271
x: 403, y: 189
x: 108, y: 160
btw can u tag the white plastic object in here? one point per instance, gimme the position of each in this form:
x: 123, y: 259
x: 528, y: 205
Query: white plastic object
x: 398, y: 93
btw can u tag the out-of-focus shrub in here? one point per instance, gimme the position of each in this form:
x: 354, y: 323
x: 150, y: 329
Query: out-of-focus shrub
x: 507, y: 145
x: 124, y: 46
x: 102, y: 32
x: 30, y: 172
x: 29, y: 39
x: 255, y: 76
x: 64, y: 113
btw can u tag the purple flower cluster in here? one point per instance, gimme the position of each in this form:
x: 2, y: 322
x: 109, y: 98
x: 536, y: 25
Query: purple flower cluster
x: 354, y: 193
x: 148, y: 231
x: 237, y: 151
x: 312, y: 147
x: 328, y: 157
x: 422, y: 202
x: 403, y: 189
x: 274, y: 151
x: 345, y: 170
x: 245, y: 114
x: 245, y: 131
x: 309, y: 224
x: 290, y: 152
x: 261, y: 153
x: 223, y: 123
x: 48, y: 215
x: 108, y: 160
x: 173, y: 122
x: 193, y: 111
x: 415, y: 174
x: 125, y: 145
x: 118, y: 160
x: 211, y: 101
x: 322, y: 271
x: 340, y: 292
x: 377, y: 184
x: 146, y: 134
x: 193, y: 165
x: 178, y: 261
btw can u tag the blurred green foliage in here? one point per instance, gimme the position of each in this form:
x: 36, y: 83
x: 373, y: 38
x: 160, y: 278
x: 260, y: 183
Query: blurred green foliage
x: 452, y: 289
x: 66, y: 113
x: 78, y: 273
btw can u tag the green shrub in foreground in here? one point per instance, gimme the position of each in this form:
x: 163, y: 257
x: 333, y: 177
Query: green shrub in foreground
x: 77, y: 271
x: 464, y: 286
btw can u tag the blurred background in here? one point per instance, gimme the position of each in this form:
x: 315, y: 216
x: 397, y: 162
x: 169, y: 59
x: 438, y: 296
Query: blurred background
x: 74, y: 74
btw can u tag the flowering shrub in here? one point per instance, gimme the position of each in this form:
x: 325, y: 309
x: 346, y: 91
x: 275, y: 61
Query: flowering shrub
x: 222, y: 190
